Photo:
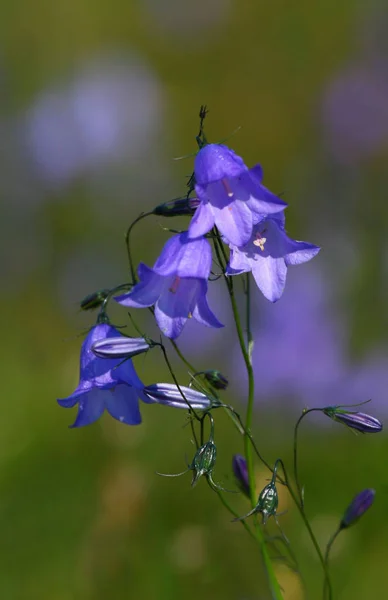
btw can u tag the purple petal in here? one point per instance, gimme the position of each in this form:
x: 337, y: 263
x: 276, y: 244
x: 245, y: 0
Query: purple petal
x: 259, y: 199
x: 302, y: 252
x: 123, y: 404
x: 202, y: 221
x: 90, y: 408
x: 175, y: 306
x: 234, y: 221
x: 202, y: 312
x: 216, y: 161
x: 169, y: 395
x: 120, y: 347
x: 238, y: 262
x: 270, y: 276
x: 185, y: 257
x: 146, y: 292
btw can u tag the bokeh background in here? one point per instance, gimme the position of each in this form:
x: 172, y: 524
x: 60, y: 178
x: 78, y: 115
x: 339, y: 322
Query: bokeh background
x: 97, y: 98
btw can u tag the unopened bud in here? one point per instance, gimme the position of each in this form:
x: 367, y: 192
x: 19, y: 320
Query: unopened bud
x: 94, y: 300
x: 240, y: 470
x: 216, y: 379
x: 355, y: 420
x: 357, y: 507
x: 177, y: 207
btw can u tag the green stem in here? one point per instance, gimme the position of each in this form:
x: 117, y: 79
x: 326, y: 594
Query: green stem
x: 328, y: 548
x: 273, y: 582
x: 296, y: 474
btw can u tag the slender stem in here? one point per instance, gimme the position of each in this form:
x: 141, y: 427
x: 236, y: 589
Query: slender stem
x: 328, y: 548
x: 296, y: 474
x: 128, y: 244
x: 273, y: 583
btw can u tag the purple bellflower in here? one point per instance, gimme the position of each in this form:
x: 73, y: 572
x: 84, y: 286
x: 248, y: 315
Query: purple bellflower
x: 176, y: 285
x: 231, y: 195
x: 240, y: 470
x: 110, y: 384
x: 268, y: 254
x: 358, y: 506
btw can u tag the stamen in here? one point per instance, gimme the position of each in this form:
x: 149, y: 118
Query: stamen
x: 190, y: 315
x: 227, y: 187
x: 260, y: 241
x: 174, y: 286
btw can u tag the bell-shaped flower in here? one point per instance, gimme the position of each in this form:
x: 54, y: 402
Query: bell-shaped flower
x: 268, y: 254
x: 231, y: 195
x: 176, y: 285
x: 110, y: 384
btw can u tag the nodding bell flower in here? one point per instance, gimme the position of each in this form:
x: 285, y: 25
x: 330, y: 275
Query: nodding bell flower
x: 268, y: 254
x: 105, y: 384
x: 120, y: 347
x: 240, y: 470
x: 178, y: 207
x: 94, y: 300
x: 176, y: 285
x: 230, y: 194
x: 357, y: 507
x: 169, y: 395
x: 355, y: 420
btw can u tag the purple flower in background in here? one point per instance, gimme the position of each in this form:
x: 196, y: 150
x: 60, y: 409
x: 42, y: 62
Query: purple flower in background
x: 110, y: 384
x: 357, y: 507
x: 240, y: 470
x: 230, y: 194
x: 268, y: 254
x: 177, y: 285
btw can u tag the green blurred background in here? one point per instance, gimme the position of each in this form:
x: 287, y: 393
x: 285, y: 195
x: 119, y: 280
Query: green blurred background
x: 96, y: 100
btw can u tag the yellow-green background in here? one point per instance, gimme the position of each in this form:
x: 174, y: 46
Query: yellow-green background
x: 82, y: 514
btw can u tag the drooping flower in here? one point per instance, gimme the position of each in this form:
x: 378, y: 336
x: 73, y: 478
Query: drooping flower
x: 176, y: 285
x: 355, y: 420
x: 230, y: 193
x: 358, y: 506
x: 110, y: 384
x: 169, y: 395
x: 268, y: 254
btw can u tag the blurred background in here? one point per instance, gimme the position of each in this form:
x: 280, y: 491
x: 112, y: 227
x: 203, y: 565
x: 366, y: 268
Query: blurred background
x: 96, y: 100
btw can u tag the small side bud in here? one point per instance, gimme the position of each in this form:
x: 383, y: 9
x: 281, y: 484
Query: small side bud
x: 204, y: 461
x: 216, y: 379
x: 177, y: 207
x: 357, y: 508
x: 240, y: 470
x: 94, y: 300
x: 355, y: 420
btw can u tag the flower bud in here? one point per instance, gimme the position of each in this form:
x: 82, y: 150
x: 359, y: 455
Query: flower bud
x: 177, y: 207
x: 357, y: 507
x: 268, y: 502
x: 94, y: 300
x: 170, y: 395
x: 120, y: 347
x: 204, y: 461
x: 240, y: 471
x: 355, y: 420
x: 216, y: 379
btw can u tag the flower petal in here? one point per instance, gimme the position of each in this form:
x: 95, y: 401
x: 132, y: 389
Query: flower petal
x: 302, y: 252
x: 175, y: 306
x: 202, y: 312
x: 169, y: 394
x: 259, y: 199
x: 146, y: 292
x: 234, y: 221
x: 202, y: 221
x: 216, y: 161
x: 120, y: 347
x: 270, y: 276
x: 90, y: 408
x: 123, y: 404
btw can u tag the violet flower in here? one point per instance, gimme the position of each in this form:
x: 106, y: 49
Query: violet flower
x: 268, y: 254
x: 120, y: 347
x: 230, y: 194
x: 358, y: 506
x: 176, y: 285
x: 110, y: 384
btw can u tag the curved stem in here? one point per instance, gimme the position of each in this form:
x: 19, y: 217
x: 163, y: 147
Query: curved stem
x: 296, y: 474
x: 127, y: 242
x: 328, y: 548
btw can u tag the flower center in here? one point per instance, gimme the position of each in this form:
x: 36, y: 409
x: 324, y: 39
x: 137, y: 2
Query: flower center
x: 174, y: 286
x: 227, y: 187
x: 260, y: 240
